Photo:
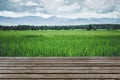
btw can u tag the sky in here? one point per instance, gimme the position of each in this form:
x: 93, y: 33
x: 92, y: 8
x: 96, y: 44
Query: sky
x: 61, y: 8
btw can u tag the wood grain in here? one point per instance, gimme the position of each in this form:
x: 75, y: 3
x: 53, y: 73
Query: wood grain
x: 59, y: 68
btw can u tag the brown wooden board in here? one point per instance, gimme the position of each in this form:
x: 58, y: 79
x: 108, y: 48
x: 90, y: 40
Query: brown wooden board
x: 60, y: 68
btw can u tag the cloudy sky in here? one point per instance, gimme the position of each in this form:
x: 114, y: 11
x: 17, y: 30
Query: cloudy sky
x: 61, y: 8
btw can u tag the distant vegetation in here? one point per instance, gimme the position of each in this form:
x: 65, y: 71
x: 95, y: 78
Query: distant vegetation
x: 67, y: 43
x: 72, y: 27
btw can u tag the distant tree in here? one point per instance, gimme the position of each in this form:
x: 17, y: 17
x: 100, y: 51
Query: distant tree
x: 63, y: 27
x: 89, y: 27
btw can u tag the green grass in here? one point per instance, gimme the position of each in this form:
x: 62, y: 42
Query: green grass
x: 60, y: 43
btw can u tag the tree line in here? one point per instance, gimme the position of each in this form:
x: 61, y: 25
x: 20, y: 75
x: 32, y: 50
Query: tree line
x: 62, y: 27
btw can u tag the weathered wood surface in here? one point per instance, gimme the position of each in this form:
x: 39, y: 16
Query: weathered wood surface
x: 52, y: 68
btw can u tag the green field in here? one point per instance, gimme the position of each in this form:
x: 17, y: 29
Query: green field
x: 60, y: 43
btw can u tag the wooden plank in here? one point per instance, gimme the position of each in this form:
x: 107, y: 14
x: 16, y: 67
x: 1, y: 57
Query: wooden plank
x: 59, y: 68
x: 21, y: 60
x: 62, y: 64
x: 62, y: 68
x: 60, y: 71
x: 59, y: 62
x: 60, y: 76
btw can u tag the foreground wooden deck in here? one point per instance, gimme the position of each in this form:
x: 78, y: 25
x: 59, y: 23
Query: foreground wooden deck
x: 102, y: 68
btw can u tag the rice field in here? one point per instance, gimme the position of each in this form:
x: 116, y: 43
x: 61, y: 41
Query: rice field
x: 63, y: 43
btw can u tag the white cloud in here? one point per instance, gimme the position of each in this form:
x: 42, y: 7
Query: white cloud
x: 61, y: 8
x: 90, y: 15
x: 38, y: 9
x: 42, y: 15
x: 15, y: 14
x: 69, y: 8
x: 12, y: 14
x: 52, y: 5
x: 15, y: 0
x: 30, y: 3
x: 100, y: 6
